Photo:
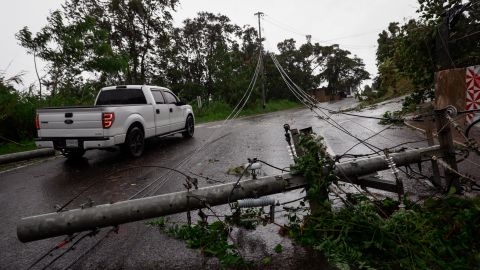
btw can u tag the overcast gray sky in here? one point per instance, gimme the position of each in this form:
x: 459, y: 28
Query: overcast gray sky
x: 354, y: 24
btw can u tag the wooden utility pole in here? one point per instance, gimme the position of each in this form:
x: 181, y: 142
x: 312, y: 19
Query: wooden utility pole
x: 445, y: 138
x: 428, y: 108
x: 260, y: 41
x: 443, y: 59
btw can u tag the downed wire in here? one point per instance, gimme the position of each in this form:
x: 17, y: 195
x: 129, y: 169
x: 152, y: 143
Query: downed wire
x: 238, y: 181
x: 57, y: 246
x: 298, y: 94
x: 467, y: 131
x: 184, y: 161
x: 208, y: 142
x: 92, y: 233
x: 273, y: 166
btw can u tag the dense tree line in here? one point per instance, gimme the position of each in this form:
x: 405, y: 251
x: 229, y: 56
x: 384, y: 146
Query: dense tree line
x: 407, y: 54
x: 91, y: 43
x: 88, y: 44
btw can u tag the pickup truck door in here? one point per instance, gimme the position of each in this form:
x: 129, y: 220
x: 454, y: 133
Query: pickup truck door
x: 177, y: 120
x: 161, y: 112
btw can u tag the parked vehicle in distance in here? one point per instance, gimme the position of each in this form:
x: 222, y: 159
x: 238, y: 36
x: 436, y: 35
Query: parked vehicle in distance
x: 122, y: 116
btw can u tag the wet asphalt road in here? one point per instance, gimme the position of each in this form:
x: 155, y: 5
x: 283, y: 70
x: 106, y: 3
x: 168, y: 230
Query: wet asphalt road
x: 38, y: 188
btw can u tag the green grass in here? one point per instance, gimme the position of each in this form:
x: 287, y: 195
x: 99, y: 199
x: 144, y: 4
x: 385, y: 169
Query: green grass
x: 8, y: 148
x: 218, y: 110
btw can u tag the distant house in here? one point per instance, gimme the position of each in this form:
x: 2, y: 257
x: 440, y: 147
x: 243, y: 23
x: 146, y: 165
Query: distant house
x: 324, y: 94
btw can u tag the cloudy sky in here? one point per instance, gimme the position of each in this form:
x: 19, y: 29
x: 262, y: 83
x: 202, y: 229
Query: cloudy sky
x: 354, y: 24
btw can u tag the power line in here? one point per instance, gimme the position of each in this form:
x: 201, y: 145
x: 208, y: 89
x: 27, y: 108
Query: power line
x: 311, y: 105
x: 376, y: 134
x: 278, y: 24
x: 163, y: 179
x: 469, y: 35
x: 92, y: 233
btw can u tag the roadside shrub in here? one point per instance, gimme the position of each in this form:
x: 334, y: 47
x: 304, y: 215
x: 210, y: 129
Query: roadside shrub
x: 17, y: 115
x: 17, y: 111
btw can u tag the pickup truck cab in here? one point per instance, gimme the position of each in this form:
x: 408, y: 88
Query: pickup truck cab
x: 122, y: 116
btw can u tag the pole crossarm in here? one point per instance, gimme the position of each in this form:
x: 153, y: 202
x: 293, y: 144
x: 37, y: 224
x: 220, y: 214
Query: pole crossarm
x: 77, y: 220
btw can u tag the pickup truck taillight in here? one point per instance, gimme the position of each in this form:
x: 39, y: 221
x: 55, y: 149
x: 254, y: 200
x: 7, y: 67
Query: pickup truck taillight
x: 37, y: 123
x: 107, y: 119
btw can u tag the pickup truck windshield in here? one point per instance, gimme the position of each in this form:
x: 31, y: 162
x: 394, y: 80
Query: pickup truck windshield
x: 121, y: 97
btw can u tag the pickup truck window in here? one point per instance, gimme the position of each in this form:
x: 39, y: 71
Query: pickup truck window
x: 157, y: 95
x: 171, y: 99
x: 121, y: 97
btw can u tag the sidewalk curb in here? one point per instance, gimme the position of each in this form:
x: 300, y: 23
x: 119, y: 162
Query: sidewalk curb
x: 26, y: 155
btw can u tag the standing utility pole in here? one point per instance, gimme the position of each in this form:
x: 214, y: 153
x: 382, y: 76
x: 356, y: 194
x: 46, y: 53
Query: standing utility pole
x: 259, y: 15
x: 442, y: 51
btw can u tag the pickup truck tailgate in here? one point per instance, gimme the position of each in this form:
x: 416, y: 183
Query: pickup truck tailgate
x: 74, y: 122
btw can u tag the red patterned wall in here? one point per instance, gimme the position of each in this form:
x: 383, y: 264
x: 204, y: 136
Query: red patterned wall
x: 472, y: 98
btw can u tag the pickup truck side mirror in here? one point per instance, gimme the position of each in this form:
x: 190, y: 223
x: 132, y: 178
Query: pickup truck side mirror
x: 180, y: 103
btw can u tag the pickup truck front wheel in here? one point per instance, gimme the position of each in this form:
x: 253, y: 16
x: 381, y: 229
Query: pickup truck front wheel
x: 189, y: 127
x: 134, y: 142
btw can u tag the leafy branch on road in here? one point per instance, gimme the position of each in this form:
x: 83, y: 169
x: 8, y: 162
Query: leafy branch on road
x: 362, y: 234
x: 365, y: 234
x: 212, y: 240
x: 389, y: 117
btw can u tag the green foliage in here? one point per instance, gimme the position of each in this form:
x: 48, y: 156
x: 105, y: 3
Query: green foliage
x: 8, y: 148
x: 392, y: 118
x: 210, y: 239
x: 17, y: 110
x: 219, y: 110
x: 248, y: 218
x: 89, y: 44
x: 134, y: 42
x: 439, y: 235
x: 278, y: 248
x: 17, y: 115
x: 158, y: 222
x: 339, y: 69
x: 407, y: 52
x: 410, y: 103
x: 367, y: 234
x: 266, y: 261
x: 313, y: 166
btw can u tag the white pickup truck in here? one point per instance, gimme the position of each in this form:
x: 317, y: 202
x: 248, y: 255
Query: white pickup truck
x: 122, y: 116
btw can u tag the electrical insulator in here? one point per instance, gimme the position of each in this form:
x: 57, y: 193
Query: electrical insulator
x: 260, y: 202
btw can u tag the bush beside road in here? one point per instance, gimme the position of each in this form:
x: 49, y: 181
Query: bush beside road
x: 220, y: 110
x: 14, y: 147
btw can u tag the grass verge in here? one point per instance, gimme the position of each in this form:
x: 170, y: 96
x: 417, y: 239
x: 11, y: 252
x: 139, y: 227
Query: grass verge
x: 218, y: 110
x: 8, y: 148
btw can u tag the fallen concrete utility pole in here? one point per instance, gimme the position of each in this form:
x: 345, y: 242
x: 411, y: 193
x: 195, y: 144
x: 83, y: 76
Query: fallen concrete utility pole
x: 26, y: 155
x: 69, y: 222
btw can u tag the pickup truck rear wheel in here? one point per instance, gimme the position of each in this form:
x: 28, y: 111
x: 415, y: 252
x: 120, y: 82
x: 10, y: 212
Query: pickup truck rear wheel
x: 73, y: 153
x: 189, y: 127
x: 135, y: 142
